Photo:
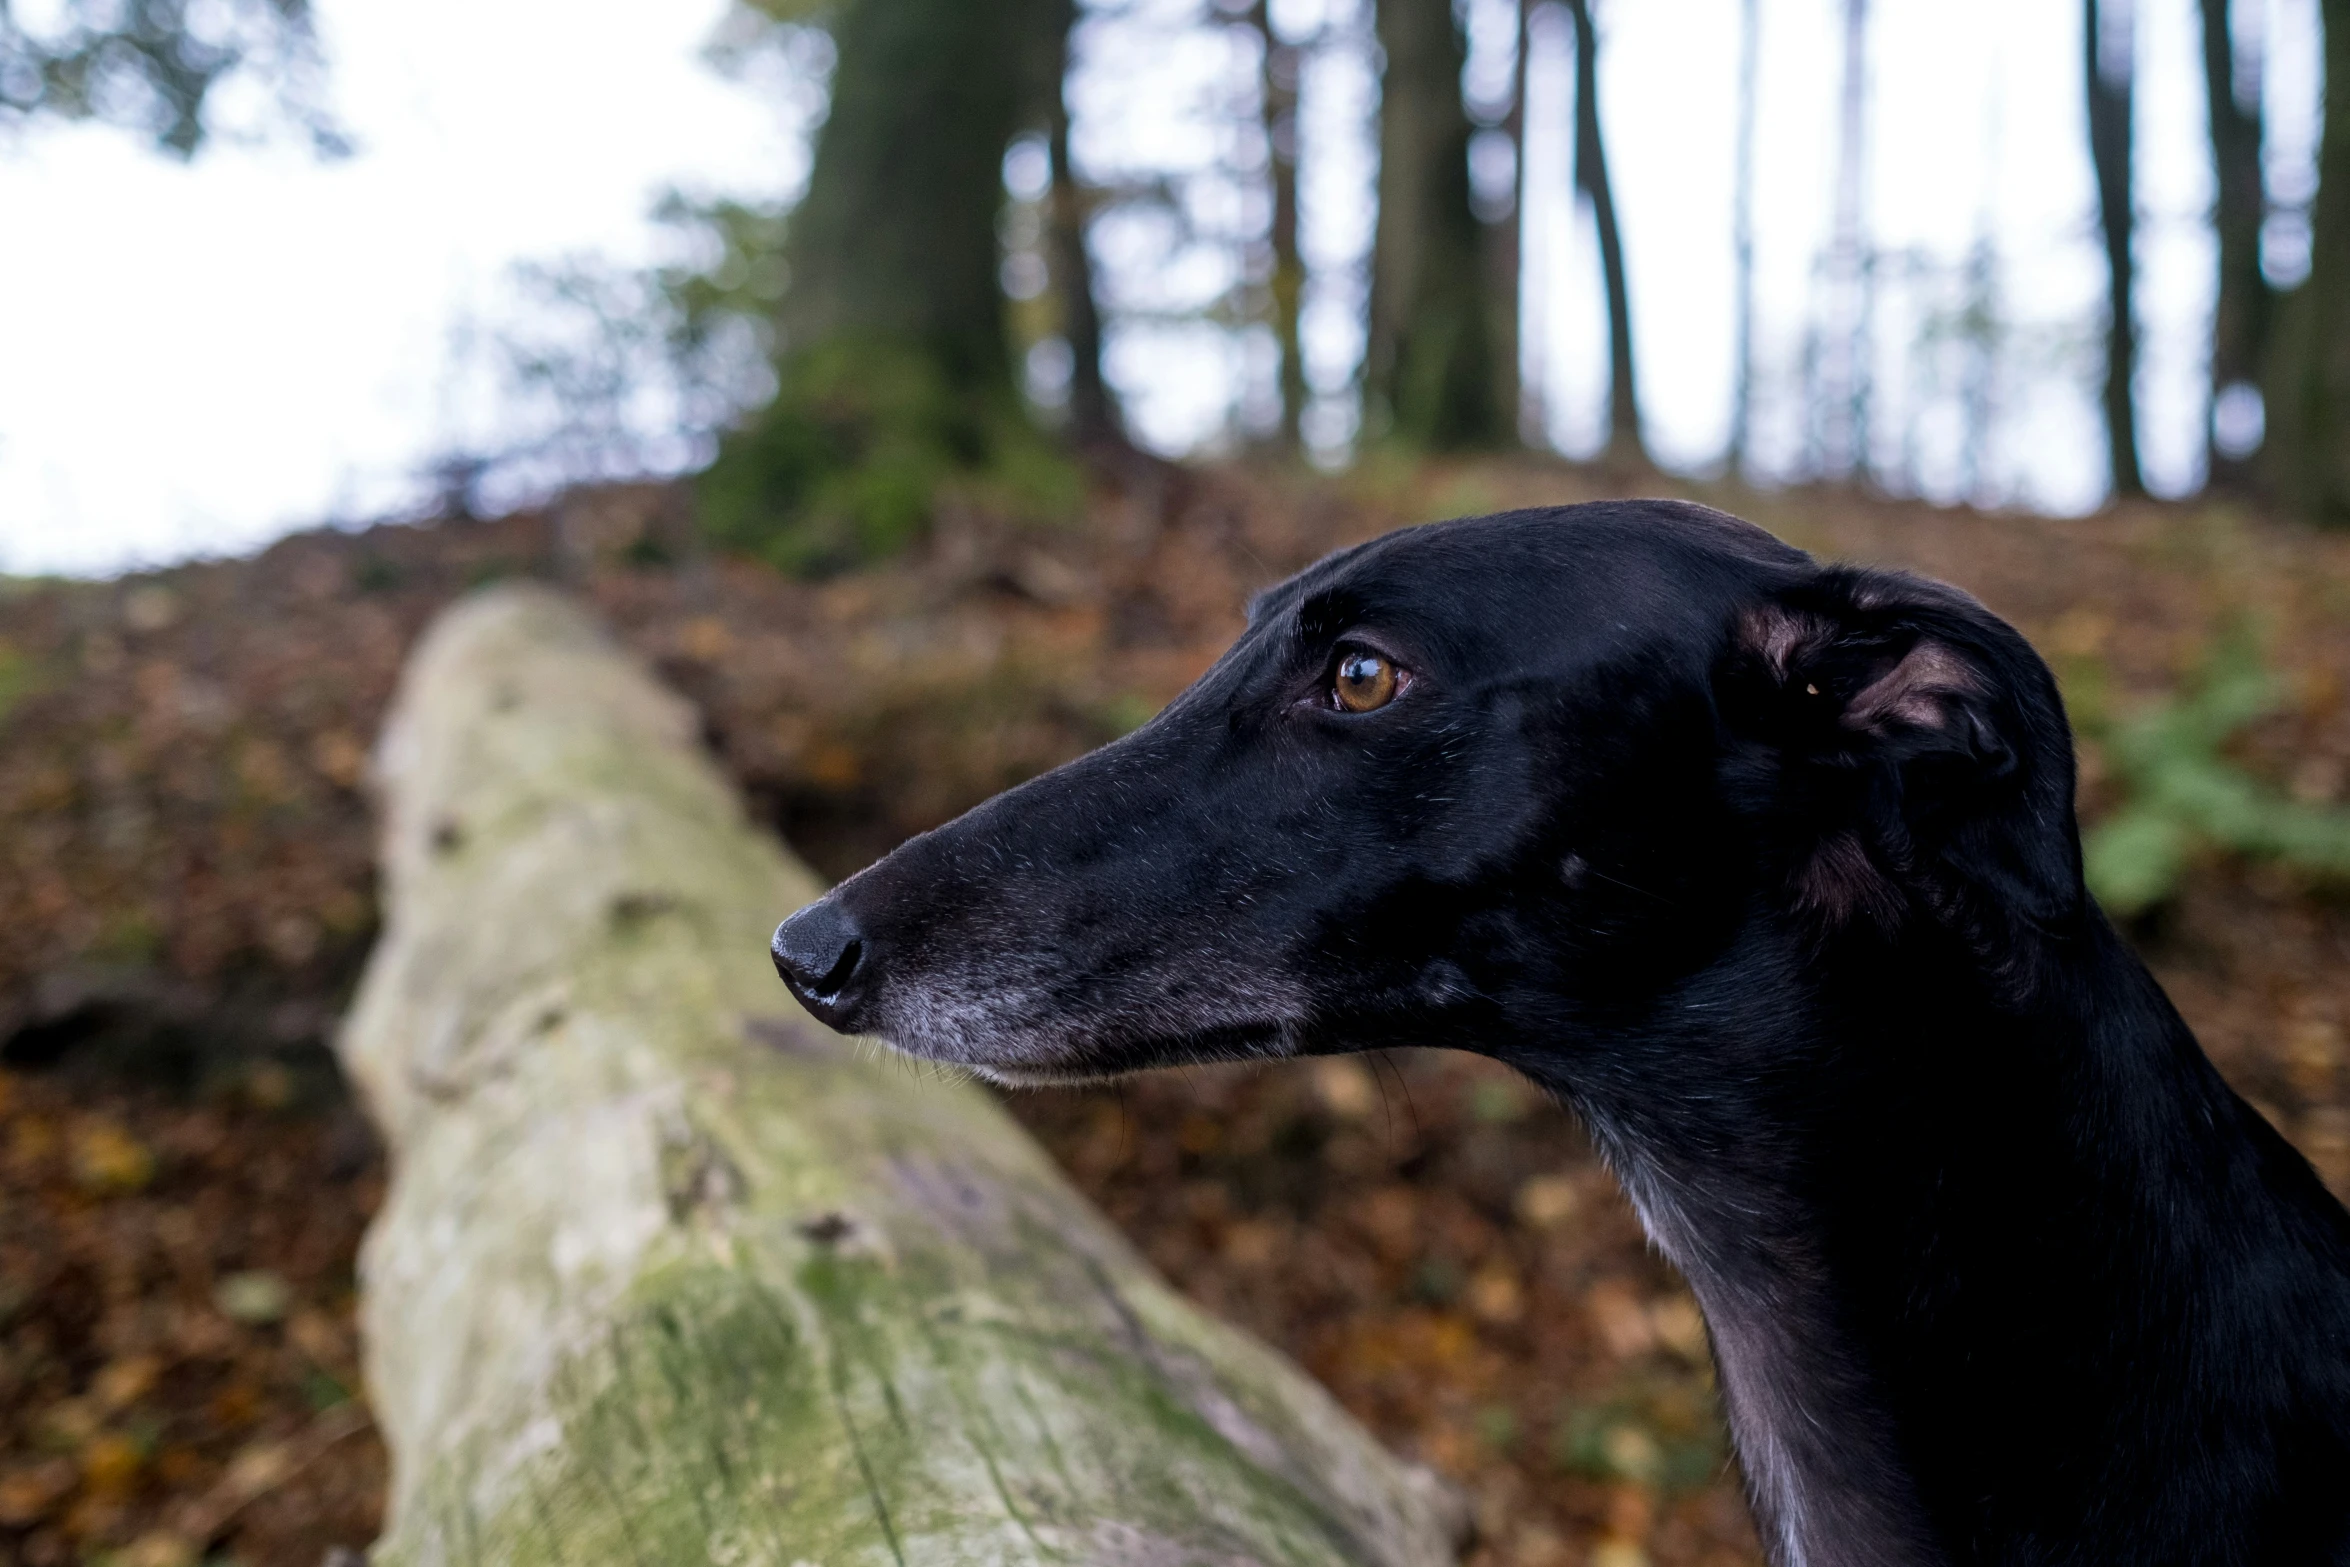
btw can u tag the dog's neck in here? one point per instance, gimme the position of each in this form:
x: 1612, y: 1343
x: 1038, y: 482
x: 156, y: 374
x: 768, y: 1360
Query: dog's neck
x: 1915, y: 1212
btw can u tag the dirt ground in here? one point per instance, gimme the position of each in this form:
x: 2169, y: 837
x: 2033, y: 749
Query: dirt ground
x: 184, y: 871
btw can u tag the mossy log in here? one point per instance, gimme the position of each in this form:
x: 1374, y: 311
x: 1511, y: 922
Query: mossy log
x: 667, y: 1274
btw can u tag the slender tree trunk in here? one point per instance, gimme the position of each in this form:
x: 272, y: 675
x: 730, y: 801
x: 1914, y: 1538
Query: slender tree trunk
x: 1093, y: 411
x: 2240, y: 320
x: 1841, y: 355
x: 2308, y: 451
x: 1428, y: 373
x: 1533, y: 407
x: 1282, y: 65
x: 1624, y: 441
x: 1505, y: 252
x: 2108, y: 53
x: 1742, y: 240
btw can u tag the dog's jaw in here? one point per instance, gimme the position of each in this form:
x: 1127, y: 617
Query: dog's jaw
x: 1008, y: 1031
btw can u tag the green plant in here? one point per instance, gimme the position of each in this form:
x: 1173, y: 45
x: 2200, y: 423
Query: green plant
x: 2181, y: 795
x: 845, y: 465
x: 19, y: 678
x: 1659, y: 1432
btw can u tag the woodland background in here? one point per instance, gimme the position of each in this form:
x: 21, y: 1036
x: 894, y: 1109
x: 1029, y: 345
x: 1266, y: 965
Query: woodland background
x: 860, y: 476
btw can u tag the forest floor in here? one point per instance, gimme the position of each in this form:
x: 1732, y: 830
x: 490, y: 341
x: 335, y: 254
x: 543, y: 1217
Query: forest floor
x: 185, y: 851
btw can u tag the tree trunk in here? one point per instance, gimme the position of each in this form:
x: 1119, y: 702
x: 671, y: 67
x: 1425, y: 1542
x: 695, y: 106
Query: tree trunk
x: 1504, y: 247
x: 1428, y: 368
x: 2308, y: 450
x: 2240, y: 318
x: 1533, y: 364
x: 1742, y: 242
x: 1839, y: 374
x: 1093, y: 412
x: 1279, y: 88
x: 896, y: 237
x: 2108, y: 50
x: 895, y: 373
x: 1624, y: 441
x: 668, y: 1274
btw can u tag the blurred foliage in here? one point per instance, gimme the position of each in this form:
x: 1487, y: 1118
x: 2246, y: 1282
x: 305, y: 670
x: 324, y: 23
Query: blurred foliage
x: 2179, y: 792
x: 1661, y: 1432
x: 744, y: 276
x: 864, y: 436
x: 18, y: 677
x: 152, y: 65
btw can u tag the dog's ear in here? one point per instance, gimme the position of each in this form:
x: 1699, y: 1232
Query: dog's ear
x: 1901, y: 745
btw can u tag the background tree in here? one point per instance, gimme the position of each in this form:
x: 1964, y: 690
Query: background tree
x: 151, y: 66
x: 2308, y: 450
x: 1841, y: 357
x: 895, y: 370
x: 1742, y: 240
x: 2240, y: 318
x: 1093, y: 412
x: 1591, y: 178
x: 1283, y: 62
x: 2108, y: 49
x: 1429, y: 366
x: 1504, y: 242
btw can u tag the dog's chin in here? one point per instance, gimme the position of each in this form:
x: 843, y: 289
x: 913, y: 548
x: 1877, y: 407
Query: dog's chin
x: 1042, y: 1077
x: 1021, y: 1060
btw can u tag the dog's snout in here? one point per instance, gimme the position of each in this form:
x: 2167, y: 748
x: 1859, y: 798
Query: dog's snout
x: 820, y: 953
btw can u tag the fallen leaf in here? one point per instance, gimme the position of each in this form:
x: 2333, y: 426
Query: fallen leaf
x: 1680, y: 1326
x: 124, y: 1382
x: 28, y: 1495
x: 162, y: 1548
x: 1346, y: 1087
x: 109, y: 1161
x: 1618, y: 1317
x: 253, y: 1298
x: 1494, y: 1294
x: 111, y: 1465
x: 1546, y: 1201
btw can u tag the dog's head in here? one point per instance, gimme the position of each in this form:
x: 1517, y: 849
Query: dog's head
x: 1474, y: 782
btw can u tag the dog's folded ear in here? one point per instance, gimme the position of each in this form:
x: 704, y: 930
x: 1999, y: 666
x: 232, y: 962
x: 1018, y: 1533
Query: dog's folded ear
x: 1900, y: 747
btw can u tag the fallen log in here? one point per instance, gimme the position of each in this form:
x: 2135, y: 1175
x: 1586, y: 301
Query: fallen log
x: 668, y: 1275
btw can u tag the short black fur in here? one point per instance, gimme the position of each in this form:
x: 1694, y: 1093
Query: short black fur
x: 1770, y: 871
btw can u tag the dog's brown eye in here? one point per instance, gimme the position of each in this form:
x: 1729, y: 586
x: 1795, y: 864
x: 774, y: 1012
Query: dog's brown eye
x: 1364, y: 680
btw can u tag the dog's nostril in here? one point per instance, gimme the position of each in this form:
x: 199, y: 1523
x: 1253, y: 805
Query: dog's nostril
x: 817, y: 950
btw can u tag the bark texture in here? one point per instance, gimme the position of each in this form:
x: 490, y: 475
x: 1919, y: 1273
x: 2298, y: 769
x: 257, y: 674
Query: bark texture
x: 2107, y: 45
x: 896, y: 238
x: 1283, y: 63
x: 1430, y: 362
x: 2308, y: 450
x: 2240, y: 315
x: 668, y: 1274
x: 1624, y: 442
x: 1094, y: 418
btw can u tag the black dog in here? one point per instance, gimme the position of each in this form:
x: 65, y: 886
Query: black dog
x: 1770, y: 871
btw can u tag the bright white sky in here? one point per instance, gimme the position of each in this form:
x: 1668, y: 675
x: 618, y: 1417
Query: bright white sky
x: 195, y: 359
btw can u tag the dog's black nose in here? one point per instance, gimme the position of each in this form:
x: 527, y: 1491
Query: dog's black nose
x: 818, y: 951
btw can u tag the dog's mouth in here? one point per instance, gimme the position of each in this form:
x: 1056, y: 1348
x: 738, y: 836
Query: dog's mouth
x: 1045, y: 1052
x: 1037, y: 1077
